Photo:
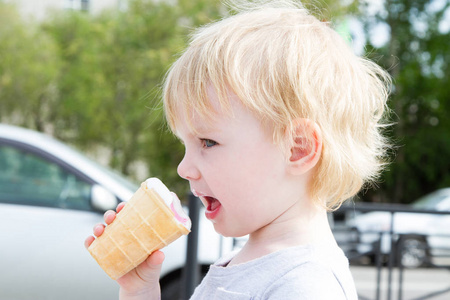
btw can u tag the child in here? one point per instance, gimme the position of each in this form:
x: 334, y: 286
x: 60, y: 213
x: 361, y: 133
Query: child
x: 281, y: 123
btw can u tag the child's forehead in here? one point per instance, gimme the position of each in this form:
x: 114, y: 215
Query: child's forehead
x: 220, y: 112
x: 211, y: 105
x: 203, y: 115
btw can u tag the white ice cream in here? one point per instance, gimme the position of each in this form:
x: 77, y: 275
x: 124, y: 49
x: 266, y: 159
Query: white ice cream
x: 171, y: 201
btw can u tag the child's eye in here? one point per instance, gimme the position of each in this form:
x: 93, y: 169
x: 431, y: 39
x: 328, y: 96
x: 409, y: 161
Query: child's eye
x: 208, y: 143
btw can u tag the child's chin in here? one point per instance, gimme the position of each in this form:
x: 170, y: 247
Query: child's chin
x: 228, y: 232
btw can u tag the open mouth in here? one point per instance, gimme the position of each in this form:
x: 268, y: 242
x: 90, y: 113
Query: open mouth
x: 212, y: 202
x: 212, y: 207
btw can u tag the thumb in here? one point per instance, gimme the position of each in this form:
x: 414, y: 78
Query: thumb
x: 150, y: 269
x: 144, y: 279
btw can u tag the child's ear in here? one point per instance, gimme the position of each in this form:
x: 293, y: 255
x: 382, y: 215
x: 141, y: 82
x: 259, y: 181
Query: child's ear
x: 305, y: 145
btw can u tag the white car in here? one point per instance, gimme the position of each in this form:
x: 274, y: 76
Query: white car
x: 50, y: 198
x: 418, y: 237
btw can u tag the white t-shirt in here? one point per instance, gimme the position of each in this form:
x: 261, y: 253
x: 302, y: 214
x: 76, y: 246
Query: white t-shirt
x: 304, y: 272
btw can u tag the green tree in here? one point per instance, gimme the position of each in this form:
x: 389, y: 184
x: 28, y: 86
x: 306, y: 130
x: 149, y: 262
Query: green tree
x: 28, y: 71
x: 417, y: 55
x: 109, y: 85
x: 112, y: 64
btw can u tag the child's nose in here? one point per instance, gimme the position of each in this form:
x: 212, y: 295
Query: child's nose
x: 187, y: 170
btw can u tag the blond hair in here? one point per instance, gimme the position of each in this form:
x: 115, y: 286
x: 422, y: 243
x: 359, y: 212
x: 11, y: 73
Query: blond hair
x: 285, y: 64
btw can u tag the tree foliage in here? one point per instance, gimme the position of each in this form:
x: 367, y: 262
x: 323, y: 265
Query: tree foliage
x: 28, y: 72
x: 417, y: 56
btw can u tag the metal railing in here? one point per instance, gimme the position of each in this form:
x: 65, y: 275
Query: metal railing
x: 396, y: 247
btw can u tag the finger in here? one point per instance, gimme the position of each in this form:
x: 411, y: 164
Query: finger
x: 156, y: 258
x: 99, y: 229
x: 109, y: 216
x: 88, y: 241
x: 120, y: 206
x: 150, y: 269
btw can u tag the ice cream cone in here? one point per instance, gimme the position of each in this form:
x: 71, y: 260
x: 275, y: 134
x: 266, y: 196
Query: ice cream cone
x: 143, y: 226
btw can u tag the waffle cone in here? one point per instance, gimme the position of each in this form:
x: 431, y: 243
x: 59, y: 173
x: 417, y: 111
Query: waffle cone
x: 143, y: 226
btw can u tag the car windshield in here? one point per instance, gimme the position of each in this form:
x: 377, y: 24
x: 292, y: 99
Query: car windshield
x: 38, y: 140
x: 132, y: 186
x: 429, y: 202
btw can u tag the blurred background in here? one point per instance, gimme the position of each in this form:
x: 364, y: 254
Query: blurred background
x: 89, y: 73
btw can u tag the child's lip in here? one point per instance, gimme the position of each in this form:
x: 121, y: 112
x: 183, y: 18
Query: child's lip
x: 195, y: 193
x: 201, y: 196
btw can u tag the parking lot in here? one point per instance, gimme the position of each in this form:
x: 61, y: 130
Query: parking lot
x: 414, y: 238
x: 420, y: 283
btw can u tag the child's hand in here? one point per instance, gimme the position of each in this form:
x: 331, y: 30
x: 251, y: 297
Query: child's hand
x: 109, y: 217
x: 141, y: 282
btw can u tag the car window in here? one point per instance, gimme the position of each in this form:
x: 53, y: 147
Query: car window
x: 444, y: 204
x: 26, y: 178
x: 429, y: 202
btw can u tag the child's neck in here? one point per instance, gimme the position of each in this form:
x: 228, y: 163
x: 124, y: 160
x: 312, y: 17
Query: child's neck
x: 281, y: 234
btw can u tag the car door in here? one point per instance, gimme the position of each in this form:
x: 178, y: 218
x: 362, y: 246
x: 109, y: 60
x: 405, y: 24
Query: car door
x: 45, y: 215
